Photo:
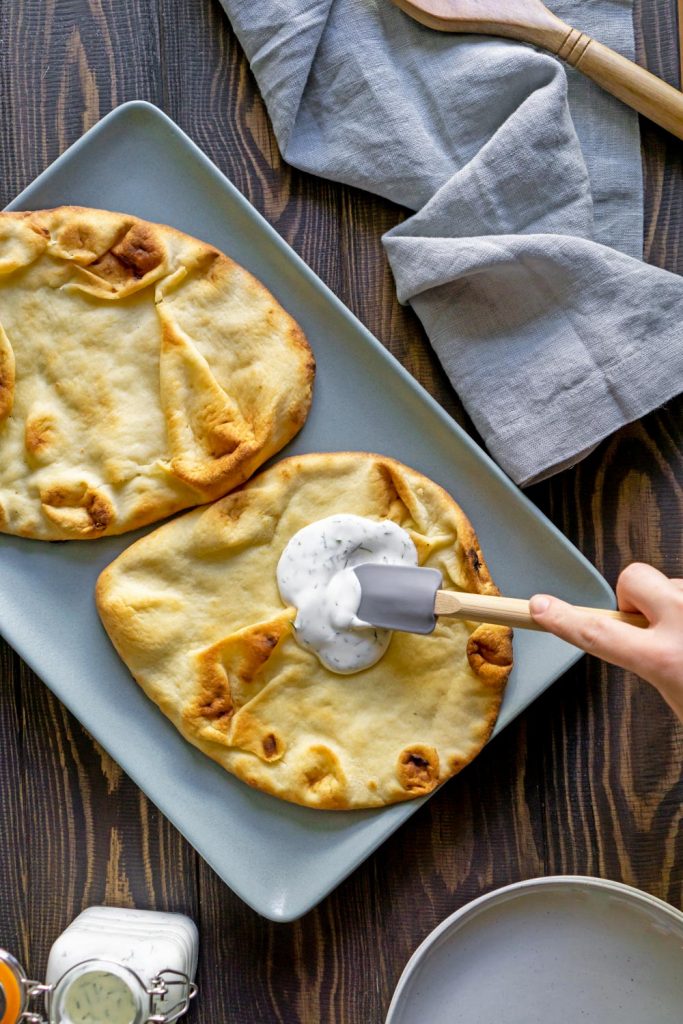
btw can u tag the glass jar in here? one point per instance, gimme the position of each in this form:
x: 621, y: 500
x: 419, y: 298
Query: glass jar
x: 110, y: 966
x: 105, y: 992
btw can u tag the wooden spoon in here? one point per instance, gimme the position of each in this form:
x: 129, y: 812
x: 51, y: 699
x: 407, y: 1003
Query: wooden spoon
x: 531, y: 22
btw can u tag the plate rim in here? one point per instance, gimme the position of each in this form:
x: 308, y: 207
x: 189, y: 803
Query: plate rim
x: 471, y: 910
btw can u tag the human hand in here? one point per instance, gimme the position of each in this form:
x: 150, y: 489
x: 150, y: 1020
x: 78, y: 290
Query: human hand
x: 655, y: 653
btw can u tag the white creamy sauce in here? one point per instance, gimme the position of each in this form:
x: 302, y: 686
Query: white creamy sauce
x: 315, y: 575
x: 98, y: 997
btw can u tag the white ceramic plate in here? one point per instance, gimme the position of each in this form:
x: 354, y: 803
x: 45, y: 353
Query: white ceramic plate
x: 281, y: 859
x: 564, y: 950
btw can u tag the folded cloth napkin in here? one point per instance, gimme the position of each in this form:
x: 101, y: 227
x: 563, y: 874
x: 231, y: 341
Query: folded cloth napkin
x: 523, y: 256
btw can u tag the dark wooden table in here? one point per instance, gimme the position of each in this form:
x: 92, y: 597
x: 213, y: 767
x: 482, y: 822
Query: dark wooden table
x: 587, y: 781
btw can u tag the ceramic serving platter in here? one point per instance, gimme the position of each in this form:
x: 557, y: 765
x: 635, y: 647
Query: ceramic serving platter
x: 279, y: 858
x: 563, y: 950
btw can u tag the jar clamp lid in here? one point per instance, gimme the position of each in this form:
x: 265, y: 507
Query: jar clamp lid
x: 16, y: 992
x: 162, y: 985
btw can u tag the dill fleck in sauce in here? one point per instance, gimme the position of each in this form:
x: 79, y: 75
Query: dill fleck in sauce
x: 99, y: 997
x: 315, y: 574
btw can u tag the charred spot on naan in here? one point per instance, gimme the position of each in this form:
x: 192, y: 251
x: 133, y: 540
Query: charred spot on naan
x: 140, y: 250
x: 489, y: 652
x: 478, y: 576
x: 227, y: 676
x: 41, y: 434
x: 112, y: 246
x: 253, y: 736
x: 214, y: 705
x: 77, y: 507
x: 272, y: 746
x: 418, y: 769
x: 134, y: 261
x: 323, y: 781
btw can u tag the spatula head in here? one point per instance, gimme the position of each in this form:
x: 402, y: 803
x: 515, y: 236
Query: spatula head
x: 398, y: 596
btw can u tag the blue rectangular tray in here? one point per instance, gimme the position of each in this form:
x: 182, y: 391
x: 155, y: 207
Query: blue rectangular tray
x: 279, y: 858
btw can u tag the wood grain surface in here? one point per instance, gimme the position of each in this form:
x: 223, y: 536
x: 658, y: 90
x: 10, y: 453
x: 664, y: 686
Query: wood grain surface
x: 587, y: 781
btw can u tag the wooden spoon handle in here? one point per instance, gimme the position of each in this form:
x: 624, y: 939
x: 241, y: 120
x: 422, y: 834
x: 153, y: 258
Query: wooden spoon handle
x: 627, y: 81
x: 509, y: 611
x: 532, y: 22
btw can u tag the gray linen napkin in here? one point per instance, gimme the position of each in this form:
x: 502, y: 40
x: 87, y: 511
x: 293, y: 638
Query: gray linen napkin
x: 522, y: 258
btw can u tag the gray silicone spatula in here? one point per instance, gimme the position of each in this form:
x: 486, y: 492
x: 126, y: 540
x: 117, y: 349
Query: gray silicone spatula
x: 409, y: 598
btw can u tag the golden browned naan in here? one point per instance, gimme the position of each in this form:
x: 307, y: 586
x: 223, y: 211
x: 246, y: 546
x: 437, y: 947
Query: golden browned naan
x: 141, y: 372
x: 194, y: 611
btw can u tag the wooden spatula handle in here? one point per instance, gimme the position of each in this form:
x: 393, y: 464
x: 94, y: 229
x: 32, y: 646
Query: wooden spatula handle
x: 627, y: 81
x: 508, y: 611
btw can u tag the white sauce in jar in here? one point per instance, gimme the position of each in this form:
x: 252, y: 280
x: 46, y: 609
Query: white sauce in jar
x: 315, y: 575
x: 99, y: 997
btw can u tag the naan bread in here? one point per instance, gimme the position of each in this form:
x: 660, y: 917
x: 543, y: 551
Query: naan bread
x: 141, y: 372
x: 194, y: 611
